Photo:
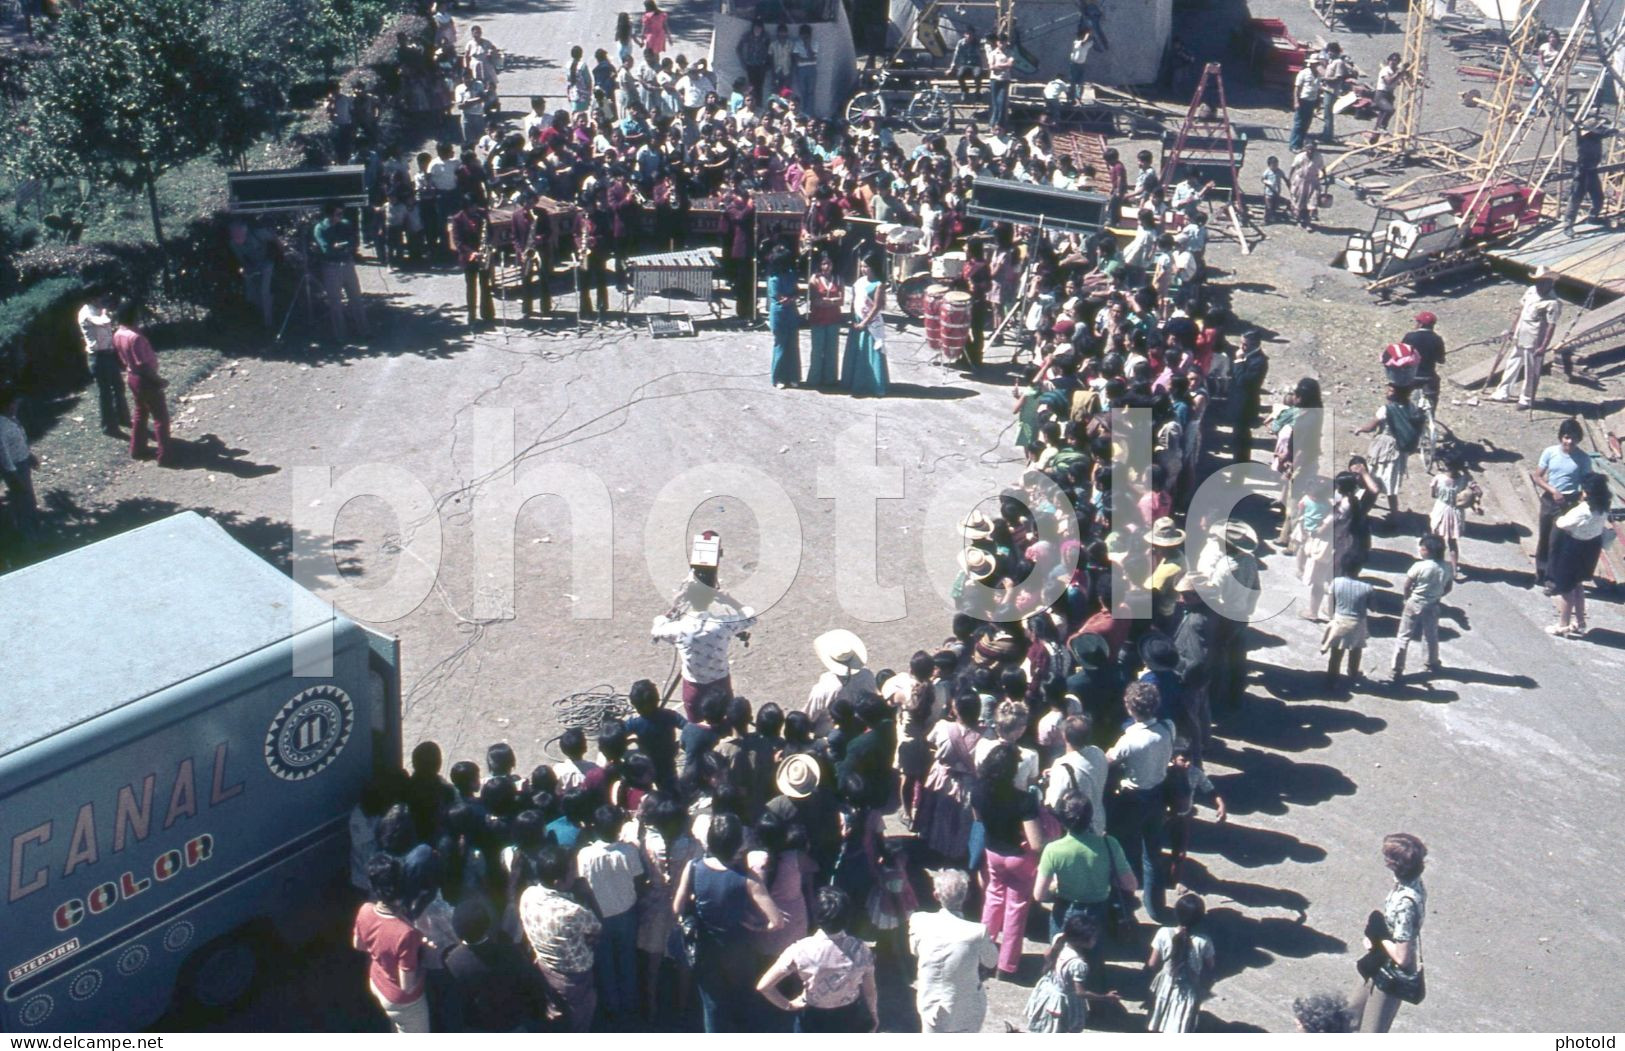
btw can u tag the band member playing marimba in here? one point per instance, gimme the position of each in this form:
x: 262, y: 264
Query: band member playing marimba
x: 621, y: 198
x: 738, y: 248
x: 595, y: 243
x: 468, y: 240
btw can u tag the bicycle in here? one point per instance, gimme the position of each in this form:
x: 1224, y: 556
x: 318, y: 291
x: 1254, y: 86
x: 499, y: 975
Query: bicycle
x: 1428, y: 441
x: 927, y: 110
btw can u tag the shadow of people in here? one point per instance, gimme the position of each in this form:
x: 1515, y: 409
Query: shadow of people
x: 1269, y: 783
x: 211, y: 453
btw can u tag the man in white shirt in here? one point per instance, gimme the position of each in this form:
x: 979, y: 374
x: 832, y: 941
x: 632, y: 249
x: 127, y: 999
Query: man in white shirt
x: 612, y: 872
x: 1305, y: 98
x: 844, y: 657
x: 96, y: 326
x: 483, y: 60
x: 1083, y: 770
x: 1138, y: 810
x: 469, y: 101
x: 701, y: 625
x: 694, y: 85
x: 536, y: 121
x: 950, y: 953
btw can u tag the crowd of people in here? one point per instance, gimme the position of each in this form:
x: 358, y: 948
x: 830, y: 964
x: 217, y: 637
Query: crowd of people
x: 787, y: 860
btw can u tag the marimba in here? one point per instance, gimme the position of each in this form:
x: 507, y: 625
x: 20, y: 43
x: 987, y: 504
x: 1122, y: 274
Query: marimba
x: 689, y: 272
x: 776, y: 213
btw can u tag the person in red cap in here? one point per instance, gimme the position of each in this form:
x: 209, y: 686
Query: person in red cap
x: 1429, y: 346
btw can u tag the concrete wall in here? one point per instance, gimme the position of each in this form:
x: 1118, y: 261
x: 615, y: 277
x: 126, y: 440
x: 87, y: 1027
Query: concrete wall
x: 1136, y: 30
x: 837, y: 60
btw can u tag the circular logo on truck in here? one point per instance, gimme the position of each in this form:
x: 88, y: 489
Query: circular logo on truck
x: 309, y: 733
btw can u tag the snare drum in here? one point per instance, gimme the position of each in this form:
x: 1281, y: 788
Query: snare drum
x: 948, y: 266
x: 905, y: 265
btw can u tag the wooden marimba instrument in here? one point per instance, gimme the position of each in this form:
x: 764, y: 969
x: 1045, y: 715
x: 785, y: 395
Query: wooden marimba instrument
x: 776, y: 213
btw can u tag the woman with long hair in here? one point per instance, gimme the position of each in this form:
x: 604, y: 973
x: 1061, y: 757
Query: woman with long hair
x: 863, y: 371
x: 726, y: 906
x: 782, y: 319
x: 826, y: 298
x: 654, y: 27
x: 1186, y: 959
x: 943, y: 815
x: 623, y: 37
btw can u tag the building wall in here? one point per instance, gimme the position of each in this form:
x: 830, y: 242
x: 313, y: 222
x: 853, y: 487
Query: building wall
x: 837, y: 60
x: 1136, y: 31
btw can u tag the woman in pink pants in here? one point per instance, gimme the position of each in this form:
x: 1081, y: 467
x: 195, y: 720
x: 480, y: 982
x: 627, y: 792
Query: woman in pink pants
x: 1010, y: 818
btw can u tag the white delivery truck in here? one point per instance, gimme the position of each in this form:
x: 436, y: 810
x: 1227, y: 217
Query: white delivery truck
x: 174, y: 790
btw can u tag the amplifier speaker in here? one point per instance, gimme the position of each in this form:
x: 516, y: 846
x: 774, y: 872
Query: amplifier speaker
x: 260, y: 192
x: 1005, y: 200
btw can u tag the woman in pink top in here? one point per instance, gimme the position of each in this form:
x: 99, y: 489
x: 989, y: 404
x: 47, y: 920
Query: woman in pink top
x: 654, y: 27
x: 780, y: 861
x: 394, y: 945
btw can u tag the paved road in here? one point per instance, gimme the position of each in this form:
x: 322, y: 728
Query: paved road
x: 1503, y: 764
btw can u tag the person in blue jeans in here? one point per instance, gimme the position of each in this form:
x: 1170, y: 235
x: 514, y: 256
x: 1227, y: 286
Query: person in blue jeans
x: 613, y: 873
x: 999, y: 64
x: 1135, y: 816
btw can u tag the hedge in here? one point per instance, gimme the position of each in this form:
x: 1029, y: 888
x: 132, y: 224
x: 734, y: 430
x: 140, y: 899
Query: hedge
x: 35, y: 322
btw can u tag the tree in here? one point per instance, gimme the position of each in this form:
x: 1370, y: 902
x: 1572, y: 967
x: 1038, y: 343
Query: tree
x: 133, y: 89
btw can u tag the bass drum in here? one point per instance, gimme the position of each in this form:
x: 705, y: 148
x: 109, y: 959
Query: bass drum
x: 911, y: 295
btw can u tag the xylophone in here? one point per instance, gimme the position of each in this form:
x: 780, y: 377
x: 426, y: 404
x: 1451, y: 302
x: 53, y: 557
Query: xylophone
x: 690, y: 272
x: 776, y: 213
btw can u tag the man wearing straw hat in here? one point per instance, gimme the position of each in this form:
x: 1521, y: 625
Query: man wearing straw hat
x: 1167, y: 543
x: 843, y: 655
x: 803, y: 800
x: 1229, y: 563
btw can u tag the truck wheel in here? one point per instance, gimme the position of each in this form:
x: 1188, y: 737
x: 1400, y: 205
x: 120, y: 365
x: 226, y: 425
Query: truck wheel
x: 220, y: 975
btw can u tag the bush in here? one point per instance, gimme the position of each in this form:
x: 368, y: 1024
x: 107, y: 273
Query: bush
x: 126, y: 270
x: 39, y: 336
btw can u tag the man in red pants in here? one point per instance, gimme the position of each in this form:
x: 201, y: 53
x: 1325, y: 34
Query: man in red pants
x: 140, y: 363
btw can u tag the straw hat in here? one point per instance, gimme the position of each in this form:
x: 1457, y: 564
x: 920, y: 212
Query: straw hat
x: 1240, y: 535
x: 797, y: 776
x: 1165, y: 534
x: 977, y: 564
x: 1187, y: 583
x: 841, y: 651
x: 977, y: 526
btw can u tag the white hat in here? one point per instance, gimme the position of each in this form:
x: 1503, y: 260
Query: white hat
x: 797, y: 776
x: 841, y: 651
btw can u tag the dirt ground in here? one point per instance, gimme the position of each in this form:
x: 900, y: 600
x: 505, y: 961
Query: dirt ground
x: 1498, y: 763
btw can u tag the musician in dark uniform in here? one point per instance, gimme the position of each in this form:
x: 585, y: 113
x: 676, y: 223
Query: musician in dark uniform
x: 595, y: 244
x: 821, y: 226
x: 468, y: 242
x: 621, y: 198
x: 671, y: 208
x: 739, y: 248
x: 532, y: 240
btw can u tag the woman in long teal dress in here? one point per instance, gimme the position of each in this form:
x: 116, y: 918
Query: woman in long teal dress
x: 782, y: 319
x: 863, y: 369
x: 826, y: 300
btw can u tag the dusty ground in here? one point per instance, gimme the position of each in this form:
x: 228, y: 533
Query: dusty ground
x: 1499, y: 764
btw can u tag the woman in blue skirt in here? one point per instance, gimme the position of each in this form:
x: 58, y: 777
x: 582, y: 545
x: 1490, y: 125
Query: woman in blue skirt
x: 863, y: 370
x: 782, y: 318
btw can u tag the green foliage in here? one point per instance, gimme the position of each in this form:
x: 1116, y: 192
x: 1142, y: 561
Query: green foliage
x: 21, y: 312
x: 133, y: 88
